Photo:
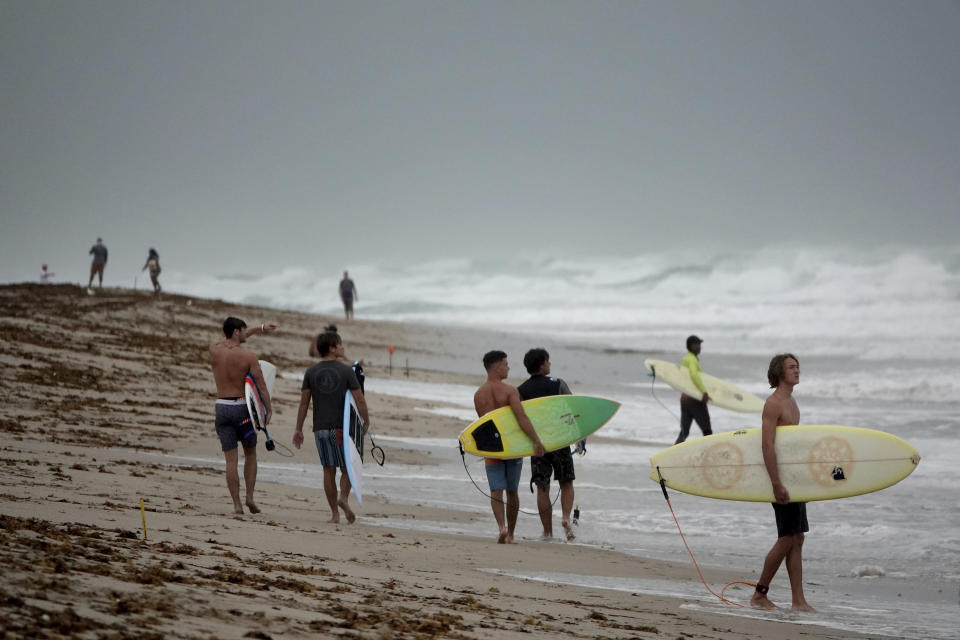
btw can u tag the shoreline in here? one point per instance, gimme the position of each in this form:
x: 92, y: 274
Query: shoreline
x: 100, y: 385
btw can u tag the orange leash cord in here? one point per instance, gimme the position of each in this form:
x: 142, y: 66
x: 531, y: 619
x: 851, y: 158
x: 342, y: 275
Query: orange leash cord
x: 663, y: 487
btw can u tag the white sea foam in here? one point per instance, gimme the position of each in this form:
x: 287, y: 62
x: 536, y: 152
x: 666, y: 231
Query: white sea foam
x: 871, y: 303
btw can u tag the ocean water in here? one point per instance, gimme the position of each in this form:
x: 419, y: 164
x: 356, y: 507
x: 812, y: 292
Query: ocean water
x: 878, y: 341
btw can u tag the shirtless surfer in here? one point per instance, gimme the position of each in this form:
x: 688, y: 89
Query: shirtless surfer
x: 231, y: 364
x: 504, y: 475
x: 780, y: 410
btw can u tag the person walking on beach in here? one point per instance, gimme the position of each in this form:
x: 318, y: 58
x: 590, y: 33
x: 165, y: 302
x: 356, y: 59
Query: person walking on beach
x: 348, y: 293
x: 153, y: 263
x: 503, y: 475
x: 231, y: 364
x: 781, y: 409
x: 327, y: 382
x: 559, y: 463
x: 99, y: 253
x: 692, y: 408
x: 46, y: 276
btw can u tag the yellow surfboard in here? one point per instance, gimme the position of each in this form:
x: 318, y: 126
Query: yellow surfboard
x: 815, y: 462
x: 723, y: 394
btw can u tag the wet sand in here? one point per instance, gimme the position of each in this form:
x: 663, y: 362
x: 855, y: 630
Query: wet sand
x: 103, y: 394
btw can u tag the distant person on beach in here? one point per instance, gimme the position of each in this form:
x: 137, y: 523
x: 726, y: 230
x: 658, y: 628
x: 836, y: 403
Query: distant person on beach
x: 153, y: 263
x: 503, y: 475
x: 558, y: 463
x: 781, y: 409
x: 348, y: 294
x: 45, y: 275
x: 327, y: 382
x: 99, y: 253
x: 694, y: 408
x: 231, y: 364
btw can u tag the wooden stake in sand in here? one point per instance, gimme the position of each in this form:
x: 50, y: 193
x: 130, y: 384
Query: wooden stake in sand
x: 143, y: 516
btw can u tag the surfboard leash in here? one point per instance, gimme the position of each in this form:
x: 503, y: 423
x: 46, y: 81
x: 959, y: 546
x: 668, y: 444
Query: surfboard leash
x: 581, y: 451
x: 463, y: 458
x: 666, y: 496
x: 653, y: 392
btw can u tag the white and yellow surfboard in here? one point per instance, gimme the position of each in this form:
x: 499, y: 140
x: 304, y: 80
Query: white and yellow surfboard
x: 815, y: 462
x: 723, y: 394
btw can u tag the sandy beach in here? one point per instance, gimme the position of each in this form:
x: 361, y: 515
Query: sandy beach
x: 107, y: 397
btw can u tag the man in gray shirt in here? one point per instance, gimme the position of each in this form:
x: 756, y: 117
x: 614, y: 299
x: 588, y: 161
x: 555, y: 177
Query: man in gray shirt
x: 99, y: 253
x: 326, y: 383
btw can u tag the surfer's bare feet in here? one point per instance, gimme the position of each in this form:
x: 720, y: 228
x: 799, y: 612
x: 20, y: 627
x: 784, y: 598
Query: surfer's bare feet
x: 253, y: 507
x: 804, y: 608
x: 335, y: 519
x: 238, y: 510
x: 759, y: 601
x: 346, y: 510
x: 510, y: 540
x: 503, y: 537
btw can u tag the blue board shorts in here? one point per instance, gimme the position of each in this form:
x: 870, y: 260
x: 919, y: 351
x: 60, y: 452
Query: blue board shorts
x: 234, y: 425
x: 330, y: 447
x: 504, y: 474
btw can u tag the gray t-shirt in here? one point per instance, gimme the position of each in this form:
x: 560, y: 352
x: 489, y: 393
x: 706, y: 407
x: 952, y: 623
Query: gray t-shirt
x: 99, y: 253
x: 328, y: 382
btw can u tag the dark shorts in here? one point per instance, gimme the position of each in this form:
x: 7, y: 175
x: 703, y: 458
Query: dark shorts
x: 692, y: 409
x: 348, y: 304
x: 559, y: 463
x: 504, y: 475
x: 234, y: 425
x: 330, y: 447
x: 791, y: 518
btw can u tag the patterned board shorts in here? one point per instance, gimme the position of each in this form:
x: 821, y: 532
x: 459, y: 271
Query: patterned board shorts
x: 234, y: 426
x: 330, y: 447
x: 559, y: 463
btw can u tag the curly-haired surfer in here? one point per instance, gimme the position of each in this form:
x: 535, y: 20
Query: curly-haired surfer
x: 779, y: 410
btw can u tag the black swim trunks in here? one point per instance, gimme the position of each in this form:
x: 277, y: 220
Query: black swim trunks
x: 559, y: 463
x: 791, y: 518
x: 234, y: 425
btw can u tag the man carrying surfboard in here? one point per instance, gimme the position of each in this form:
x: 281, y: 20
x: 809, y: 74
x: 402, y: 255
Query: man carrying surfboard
x: 504, y: 475
x: 558, y: 463
x: 781, y: 409
x: 231, y: 364
x: 692, y: 408
x: 326, y: 383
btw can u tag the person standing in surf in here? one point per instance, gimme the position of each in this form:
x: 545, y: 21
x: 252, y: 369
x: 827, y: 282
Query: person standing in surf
x: 99, y: 253
x: 231, y: 364
x: 327, y: 383
x: 504, y: 475
x: 348, y: 293
x: 692, y: 408
x: 781, y: 409
x: 558, y: 463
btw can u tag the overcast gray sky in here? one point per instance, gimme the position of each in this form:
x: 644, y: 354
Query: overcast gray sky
x: 323, y: 133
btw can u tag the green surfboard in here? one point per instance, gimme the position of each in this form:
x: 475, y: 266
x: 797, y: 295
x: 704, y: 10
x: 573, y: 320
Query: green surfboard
x: 558, y: 420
